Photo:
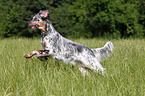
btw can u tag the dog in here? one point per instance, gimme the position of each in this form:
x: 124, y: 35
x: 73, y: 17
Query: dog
x: 60, y: 48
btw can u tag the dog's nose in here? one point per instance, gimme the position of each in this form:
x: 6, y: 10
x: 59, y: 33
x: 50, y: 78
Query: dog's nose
x: 28, y: 22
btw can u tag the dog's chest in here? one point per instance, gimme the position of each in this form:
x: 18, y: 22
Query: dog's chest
x: 45, y: 41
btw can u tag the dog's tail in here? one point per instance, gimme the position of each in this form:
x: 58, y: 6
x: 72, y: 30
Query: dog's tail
x: 104, y: 52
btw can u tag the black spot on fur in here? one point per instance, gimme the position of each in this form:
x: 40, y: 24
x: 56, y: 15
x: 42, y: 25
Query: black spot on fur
x: 74, y: 44
x: 59, y: 49
x: 67, y: 56
x: 79, y: 48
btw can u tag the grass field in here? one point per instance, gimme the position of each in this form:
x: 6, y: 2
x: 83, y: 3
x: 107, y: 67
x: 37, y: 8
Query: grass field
x: 125, y: 71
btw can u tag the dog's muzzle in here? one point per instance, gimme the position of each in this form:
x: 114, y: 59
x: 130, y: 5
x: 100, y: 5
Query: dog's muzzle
x: 31, y: 24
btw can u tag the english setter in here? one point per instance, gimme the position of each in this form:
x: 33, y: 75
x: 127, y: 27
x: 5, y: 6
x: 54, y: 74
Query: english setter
x: 60, y: 48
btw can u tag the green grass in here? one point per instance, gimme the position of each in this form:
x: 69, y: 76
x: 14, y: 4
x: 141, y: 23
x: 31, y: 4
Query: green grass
x: 125, y: 71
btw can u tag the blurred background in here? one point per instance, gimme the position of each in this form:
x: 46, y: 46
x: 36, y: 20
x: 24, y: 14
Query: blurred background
x: 75, y: 18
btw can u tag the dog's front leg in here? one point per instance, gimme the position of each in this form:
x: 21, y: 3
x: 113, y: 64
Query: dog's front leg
x: 36, y: 52
x: 41, y: 54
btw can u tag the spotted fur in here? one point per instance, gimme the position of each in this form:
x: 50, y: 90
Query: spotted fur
x: 66, y: 50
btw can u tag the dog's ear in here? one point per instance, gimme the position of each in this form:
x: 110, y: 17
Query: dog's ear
x: 47, y: 10
x: 40, y: 11
x: 45, y: 13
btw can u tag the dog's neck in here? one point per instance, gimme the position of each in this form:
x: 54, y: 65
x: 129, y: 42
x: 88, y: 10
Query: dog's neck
x: 49, y: 29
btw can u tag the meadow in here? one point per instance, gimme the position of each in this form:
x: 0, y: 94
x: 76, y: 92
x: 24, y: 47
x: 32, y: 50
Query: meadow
x: 125, y: 71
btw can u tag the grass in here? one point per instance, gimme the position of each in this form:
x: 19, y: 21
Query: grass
x: 125, y: 71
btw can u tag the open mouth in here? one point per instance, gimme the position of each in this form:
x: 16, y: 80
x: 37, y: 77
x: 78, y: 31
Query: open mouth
x: 34, y: 27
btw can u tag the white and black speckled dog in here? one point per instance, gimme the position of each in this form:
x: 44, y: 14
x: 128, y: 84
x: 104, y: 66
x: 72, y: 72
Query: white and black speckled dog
x: 60, y: 48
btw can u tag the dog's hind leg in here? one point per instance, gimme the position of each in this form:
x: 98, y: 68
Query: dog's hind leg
x: 83, y: 71
x: 93, y: 64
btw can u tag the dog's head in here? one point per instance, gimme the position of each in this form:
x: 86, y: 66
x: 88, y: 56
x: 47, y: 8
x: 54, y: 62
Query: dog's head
x: 38, y: 20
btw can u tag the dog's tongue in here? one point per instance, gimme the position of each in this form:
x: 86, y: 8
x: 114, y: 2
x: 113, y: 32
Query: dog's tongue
x: 33, y: 27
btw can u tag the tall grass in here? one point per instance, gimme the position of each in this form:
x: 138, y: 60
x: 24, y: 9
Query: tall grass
x: 125, y: 71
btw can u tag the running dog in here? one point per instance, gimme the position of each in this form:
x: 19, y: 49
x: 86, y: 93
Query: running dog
x: 60, y: 48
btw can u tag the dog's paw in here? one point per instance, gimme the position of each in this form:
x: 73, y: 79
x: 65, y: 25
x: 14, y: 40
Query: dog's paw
x: 28, y: 56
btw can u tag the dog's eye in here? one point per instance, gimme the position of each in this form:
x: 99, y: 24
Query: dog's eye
x: 34, y: 18
x: 42, y: 18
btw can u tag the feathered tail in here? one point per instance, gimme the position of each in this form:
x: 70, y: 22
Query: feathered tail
x: 104, y: 52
